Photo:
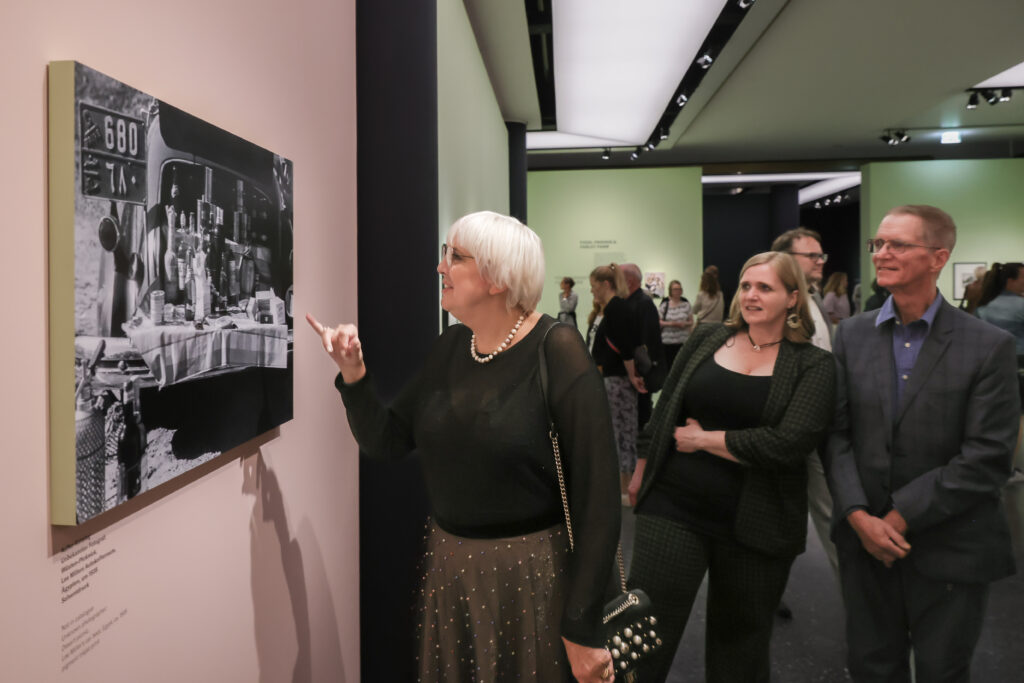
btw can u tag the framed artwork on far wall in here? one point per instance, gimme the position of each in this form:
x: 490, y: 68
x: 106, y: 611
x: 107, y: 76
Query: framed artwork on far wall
x: 963, y: 275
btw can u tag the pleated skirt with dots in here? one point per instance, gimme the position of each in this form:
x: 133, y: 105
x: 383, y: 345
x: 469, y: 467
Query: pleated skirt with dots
x: 491, y: 608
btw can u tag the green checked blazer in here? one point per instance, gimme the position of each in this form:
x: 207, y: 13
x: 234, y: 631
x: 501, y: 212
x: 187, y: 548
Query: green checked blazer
x: 772, y: 513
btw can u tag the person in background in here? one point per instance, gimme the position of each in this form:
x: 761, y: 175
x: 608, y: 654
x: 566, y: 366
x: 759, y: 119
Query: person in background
x: 973, y: 291
x: 878, y: 296
x: 1002, y: 302
x: 721, y: 486
x: 593, y: 321
x: 614, y: 343
x: 646, y: 330
x: 676, y: 321
x: 805, y: 247
x: 567, y: 302
x: 709, y: 306
x: 835, y: 302
x: 494, y: 610
x: 927, y: 415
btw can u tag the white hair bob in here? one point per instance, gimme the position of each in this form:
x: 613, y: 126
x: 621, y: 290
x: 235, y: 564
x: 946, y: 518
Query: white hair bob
x: 508, y: 254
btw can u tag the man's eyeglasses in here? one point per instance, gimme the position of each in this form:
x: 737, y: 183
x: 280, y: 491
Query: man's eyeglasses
x: 813, y: 255
x: 449, y: 254
x: 895, y: 246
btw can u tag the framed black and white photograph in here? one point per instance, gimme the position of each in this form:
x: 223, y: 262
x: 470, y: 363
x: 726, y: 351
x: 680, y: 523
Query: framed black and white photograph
x: 170, y: 291
x: 964, y: 274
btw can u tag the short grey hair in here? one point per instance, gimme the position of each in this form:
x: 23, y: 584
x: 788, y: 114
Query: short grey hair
x: 508, y: 254
x: 939, y: 228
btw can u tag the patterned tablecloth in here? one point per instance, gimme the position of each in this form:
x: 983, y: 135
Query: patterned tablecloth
x: 175, y: 353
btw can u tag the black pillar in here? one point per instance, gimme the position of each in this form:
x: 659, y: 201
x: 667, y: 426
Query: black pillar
x: 516, y: 169
x: 396, y: 89
x: 785, y: 208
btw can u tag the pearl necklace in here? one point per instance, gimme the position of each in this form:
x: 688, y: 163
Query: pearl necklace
x: 758, y: 347
x: 489, y: 357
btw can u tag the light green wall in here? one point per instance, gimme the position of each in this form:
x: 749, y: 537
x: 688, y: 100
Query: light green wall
x: 984, y: 197
x: 472, y: 143
x: 649, y: 216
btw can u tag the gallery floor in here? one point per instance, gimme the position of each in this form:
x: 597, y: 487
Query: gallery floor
x: 810, y: 647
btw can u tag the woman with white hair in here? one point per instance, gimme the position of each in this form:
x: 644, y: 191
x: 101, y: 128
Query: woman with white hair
x: 500, y: 585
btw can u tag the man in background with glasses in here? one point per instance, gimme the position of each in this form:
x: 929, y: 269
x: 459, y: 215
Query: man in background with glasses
x: 927, y: 416
x: 805, y: 246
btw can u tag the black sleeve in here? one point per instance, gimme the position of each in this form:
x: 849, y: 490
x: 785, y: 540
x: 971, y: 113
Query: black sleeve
x: 583, y: 421
x: 382, y: 432
x: 618, y: 320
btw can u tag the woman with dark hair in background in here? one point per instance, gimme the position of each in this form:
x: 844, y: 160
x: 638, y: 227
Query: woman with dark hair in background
x: 721, y: 486
x: 614, y: 342
x: 710, y: 306
x: 567, y: 302
x: 676, y: 321
x: 1002, y: 301
x: 499, y: 585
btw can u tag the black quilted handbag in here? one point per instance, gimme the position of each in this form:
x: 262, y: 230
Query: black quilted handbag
x: 630, y: 628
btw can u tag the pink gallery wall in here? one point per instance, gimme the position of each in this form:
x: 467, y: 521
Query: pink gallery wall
x: 250, y: 571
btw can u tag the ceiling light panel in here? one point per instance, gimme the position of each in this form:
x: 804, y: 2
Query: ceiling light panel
x: 617, y: 64
x: 1011, y: 77
x: 557, y: 140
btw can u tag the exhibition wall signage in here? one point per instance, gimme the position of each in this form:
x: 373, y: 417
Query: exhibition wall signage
x: 170, y: 291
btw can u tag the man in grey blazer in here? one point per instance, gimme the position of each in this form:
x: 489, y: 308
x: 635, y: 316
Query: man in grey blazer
x: 927, y: 416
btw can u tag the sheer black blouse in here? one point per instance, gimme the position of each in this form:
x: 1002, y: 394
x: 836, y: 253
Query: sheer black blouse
x: 482, y: 433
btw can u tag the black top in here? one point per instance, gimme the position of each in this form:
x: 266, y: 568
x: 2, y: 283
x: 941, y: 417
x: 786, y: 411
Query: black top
x: 701, y: 489
x: 616, y: 327
x: 482, y: 433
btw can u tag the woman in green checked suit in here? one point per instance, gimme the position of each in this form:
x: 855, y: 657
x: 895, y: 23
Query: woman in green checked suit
x: 721, y: 487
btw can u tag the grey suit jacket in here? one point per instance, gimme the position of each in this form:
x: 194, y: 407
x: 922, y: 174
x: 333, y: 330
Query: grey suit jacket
x: 942, y: 457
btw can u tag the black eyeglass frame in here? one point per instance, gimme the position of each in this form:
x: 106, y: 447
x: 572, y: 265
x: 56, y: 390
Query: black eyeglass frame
x: 813, y: 255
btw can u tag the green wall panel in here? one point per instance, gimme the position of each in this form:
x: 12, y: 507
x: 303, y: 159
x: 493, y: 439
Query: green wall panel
x: 984, y: 197
x: 649, y: 216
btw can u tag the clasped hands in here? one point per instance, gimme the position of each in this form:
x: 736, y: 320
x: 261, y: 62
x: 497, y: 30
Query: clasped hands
x: 883, y: 537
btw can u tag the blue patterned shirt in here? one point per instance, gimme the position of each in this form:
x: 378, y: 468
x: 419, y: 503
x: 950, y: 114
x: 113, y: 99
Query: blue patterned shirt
x: 907, y: 340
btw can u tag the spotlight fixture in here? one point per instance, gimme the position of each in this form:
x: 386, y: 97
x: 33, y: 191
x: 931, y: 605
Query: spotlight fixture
x: 745, y: 4
x: 607, y: 153
x: 705, y: 60
x: 681, y: 100
x: 635, y: 154
x: 972, y: 101
x: 838, y: 198
x: 827, y: 202
x: 735, y: 190
x: 991, y: 96
x: 817, y: 205
x: 894, y: 137
x: 663, y: 133
x: 1005, y: 95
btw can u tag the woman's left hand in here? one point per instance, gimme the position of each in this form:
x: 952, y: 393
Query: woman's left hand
x: 688, y: 436
x: 589, y: 664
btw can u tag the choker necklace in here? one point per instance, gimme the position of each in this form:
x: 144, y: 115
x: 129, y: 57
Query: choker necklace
x: 758, y: 347
x: 489, y: 357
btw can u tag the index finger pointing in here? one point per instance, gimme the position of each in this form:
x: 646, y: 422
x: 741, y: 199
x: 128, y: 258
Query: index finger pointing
x: 314, y: 323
